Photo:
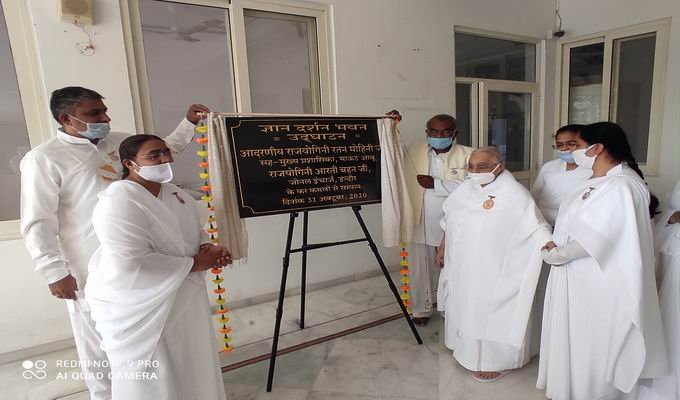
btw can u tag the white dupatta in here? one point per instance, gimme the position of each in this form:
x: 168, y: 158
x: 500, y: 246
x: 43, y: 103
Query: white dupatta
x: 145, y: 256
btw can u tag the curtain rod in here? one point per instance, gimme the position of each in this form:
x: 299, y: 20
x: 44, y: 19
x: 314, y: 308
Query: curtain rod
x: 295, y: 115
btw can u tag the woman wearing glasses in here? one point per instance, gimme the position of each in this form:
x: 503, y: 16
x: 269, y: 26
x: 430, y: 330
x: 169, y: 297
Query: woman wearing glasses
x: 560, y: 176
x: 602, y: 335
x: 146, y: 286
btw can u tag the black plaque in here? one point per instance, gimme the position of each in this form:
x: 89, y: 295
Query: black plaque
x: 286, y: 164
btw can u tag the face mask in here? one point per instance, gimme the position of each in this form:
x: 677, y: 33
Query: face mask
x: 439, y: 143
x: 582, y: 160
x: 566, y: 156
x: 482, y: 178
x: 94, y: 131
x: 161, y: 173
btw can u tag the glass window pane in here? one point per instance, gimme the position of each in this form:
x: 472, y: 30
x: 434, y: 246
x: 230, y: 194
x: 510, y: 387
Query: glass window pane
x: 491, y: 58
x: 282, y: 62
x: 188, y: 60
x: 510, y: 128
x: 585, y: 83
x: 13, y: 127
x: 631, y: 94
x: 464, y: 113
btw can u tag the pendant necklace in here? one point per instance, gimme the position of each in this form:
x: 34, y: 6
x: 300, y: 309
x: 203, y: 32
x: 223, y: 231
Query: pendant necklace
x: 587, y: 194
x: 489, y: 203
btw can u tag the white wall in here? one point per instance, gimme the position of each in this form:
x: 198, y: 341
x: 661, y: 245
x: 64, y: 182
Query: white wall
x: 389, y: 54
x: 582, y: 17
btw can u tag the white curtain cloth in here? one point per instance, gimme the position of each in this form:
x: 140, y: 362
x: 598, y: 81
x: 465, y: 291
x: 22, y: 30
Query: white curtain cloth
x: 397, y: 212
x: 231, y: 228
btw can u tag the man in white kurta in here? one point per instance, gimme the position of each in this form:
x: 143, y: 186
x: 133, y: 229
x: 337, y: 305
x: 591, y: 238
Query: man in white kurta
x: 667, y: 244
x: 151, y: 310
x: 439, y: 169
x: 491, y: 254
x: 60, y: 181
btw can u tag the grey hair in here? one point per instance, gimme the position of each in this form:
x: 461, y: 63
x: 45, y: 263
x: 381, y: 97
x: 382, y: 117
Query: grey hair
x: 493, y: 151
x: 443, y: 118
x: 65, y: 100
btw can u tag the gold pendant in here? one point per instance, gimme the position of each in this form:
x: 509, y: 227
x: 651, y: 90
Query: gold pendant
x: 587, y: 194
x: 488, y: 204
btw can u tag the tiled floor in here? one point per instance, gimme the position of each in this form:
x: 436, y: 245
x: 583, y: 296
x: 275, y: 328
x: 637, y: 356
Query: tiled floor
x: 383, y: 362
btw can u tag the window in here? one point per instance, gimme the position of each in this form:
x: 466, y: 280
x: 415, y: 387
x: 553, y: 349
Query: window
x: 233, y: 56
x: 617, y: 76
x: 493, y: 58
x: 188, y: 60
x: 15, y: 135
x: 282, y: 62
x: 495, y: 92
x: 23, y: 121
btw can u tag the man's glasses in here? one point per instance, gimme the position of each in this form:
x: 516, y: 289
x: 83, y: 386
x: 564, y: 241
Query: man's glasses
x: 437, y: 131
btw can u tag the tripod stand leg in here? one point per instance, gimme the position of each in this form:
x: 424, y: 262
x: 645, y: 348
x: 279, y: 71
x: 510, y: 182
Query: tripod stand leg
x: 393, y: 288
x: 279, y: 308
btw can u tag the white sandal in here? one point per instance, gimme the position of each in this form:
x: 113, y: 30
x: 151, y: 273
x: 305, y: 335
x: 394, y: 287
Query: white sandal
x: 500, y: 375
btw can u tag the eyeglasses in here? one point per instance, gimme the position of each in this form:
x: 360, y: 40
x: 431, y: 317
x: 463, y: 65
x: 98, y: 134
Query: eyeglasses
x: 480, y: 168
x: 157, y: 155
x: 437, y: 131
x: 568, y: 145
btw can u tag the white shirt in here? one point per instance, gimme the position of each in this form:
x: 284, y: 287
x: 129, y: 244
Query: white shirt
x: 60, y: 181
x: 553, y: 184
x: 429, y: 230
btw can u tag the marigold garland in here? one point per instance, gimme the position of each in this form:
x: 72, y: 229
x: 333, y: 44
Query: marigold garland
x: 405, y: 280
x: 223, y: 319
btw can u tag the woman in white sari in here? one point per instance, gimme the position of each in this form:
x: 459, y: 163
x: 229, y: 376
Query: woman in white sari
x: 560, y: 176
x: 147, y: 282
x: 667, y: 243
x: 602, y: 334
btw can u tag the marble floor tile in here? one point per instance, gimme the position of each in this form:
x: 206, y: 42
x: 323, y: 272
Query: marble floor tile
x: 256, y: 322
x: 76, y: 396
x: 456, y: 383
x: 235, y: 391
x: 379, y: 367
x: 296, y: 370
x: 58, y: 378
x: 319, y: 395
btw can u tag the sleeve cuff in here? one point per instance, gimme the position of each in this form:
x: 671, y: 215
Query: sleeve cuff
x: 54, y: 273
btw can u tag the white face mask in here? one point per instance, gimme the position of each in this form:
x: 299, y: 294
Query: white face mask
x: 583, y: 160
x: 483, y: 178
x: 161, y: 173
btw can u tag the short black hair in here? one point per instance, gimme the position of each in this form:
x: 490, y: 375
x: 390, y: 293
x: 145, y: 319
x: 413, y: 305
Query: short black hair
x: 443, y: 118
x: 66, y: 99
x: 129, y: 148
x: 573, y: 128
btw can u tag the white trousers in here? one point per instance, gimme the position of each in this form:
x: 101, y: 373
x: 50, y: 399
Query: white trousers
x: 93, y: 359
x: 424, y: 275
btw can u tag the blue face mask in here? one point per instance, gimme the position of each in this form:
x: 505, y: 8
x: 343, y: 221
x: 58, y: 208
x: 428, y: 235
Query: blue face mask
x: 566, y: 156
x: 439, y: 143
x: 98, y: 130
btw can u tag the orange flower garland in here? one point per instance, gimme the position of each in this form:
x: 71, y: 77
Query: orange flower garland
x: 223, y: 319
x: 405, y: 280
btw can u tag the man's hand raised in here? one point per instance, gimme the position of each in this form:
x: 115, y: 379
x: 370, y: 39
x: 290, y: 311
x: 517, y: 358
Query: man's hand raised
x: 195, y: 113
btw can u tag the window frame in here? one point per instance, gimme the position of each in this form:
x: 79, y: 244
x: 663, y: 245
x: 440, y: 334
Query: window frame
x: 31, y: 87
x: 662, y: 30
x: 481, y: 86
x: 134, y: 47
